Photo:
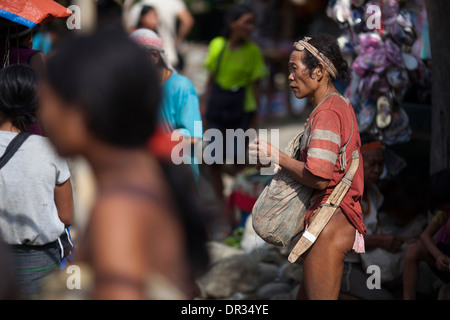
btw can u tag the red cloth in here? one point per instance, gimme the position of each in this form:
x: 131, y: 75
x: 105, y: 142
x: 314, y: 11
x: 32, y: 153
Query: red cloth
x: 327, y: 130
x: 160, y: 144
x: 243, y: 201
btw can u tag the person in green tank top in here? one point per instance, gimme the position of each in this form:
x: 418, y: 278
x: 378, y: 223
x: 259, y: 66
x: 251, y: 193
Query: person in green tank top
x: 235, y: 64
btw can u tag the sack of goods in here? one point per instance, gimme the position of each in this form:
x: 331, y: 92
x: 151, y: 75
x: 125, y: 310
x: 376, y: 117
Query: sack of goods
x: 279, y: 213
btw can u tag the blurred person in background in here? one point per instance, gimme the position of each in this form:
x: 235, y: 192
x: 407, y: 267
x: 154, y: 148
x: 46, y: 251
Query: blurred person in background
x: 19, y: 48
x: 175, y: 23
x: 236, y: 66
x: 433, y: 247
x: 179, y: 111
x: 148, y: 19
x: 144, y: 238
x: 36, y: 203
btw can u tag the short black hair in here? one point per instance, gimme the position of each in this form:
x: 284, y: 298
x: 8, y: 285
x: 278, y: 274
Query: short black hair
x: 111, y: 79
x: 233, y: 14
x: 328, y: 46
x: 18, y: 101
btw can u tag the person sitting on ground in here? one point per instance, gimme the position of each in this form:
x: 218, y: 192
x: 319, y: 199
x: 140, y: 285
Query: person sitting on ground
x: 434, y: 244
x: 354, y: 276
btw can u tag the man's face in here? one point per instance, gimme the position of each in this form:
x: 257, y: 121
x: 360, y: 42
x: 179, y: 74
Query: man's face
x: 373, y: 164
x: 301, y: 83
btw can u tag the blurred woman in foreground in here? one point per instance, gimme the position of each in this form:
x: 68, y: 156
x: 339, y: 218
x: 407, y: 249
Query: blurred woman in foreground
x: 100, y: 101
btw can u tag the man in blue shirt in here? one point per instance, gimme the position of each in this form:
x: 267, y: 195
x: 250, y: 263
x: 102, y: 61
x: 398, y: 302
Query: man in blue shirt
x: 179, y: 112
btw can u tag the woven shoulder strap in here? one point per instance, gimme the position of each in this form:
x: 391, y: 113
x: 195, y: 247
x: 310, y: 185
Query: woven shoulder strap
x: 342, y: 153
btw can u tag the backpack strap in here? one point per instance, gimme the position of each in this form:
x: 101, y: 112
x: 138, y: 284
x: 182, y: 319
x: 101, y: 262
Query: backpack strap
x: 12, y: 147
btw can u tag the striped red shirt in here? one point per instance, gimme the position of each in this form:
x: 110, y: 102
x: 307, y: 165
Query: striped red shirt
x: 327, y: 130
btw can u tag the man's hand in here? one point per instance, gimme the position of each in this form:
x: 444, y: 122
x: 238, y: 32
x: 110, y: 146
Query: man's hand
x: 263, y: 153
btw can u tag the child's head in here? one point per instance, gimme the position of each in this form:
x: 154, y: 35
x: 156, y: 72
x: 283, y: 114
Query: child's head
x: 100, y: 88
x: 239, y: 22
x: 18, y: 101
x: 148, y: 18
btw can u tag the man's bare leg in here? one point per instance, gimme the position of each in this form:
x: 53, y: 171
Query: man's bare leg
x: 324, y: 262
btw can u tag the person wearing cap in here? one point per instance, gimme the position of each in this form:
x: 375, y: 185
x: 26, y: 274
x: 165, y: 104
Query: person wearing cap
x: 179, y: 111
x: 329, y: 139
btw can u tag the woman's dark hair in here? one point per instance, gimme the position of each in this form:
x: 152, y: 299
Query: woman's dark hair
x: 329, y: 47
x: 18, y: 101
x: 233, y: 14
x: 144, y: 11
x: 110, y: 78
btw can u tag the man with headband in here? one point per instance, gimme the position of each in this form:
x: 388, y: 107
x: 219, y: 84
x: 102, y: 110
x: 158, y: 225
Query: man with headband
x: 330, y: 136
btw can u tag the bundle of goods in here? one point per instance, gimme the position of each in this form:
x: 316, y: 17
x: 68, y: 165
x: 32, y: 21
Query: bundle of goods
x: 386, y: 44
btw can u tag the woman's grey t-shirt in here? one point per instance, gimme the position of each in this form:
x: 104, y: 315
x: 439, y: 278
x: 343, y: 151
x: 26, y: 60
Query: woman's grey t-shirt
x: 28, y: 213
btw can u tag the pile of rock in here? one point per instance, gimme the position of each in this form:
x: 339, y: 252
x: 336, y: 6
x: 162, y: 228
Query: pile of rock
x: 265, y: 273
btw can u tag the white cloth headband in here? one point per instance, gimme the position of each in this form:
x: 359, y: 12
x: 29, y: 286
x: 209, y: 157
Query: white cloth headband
x: 329, y: 66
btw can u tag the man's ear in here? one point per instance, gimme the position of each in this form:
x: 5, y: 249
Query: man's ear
x: 319, y: 72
